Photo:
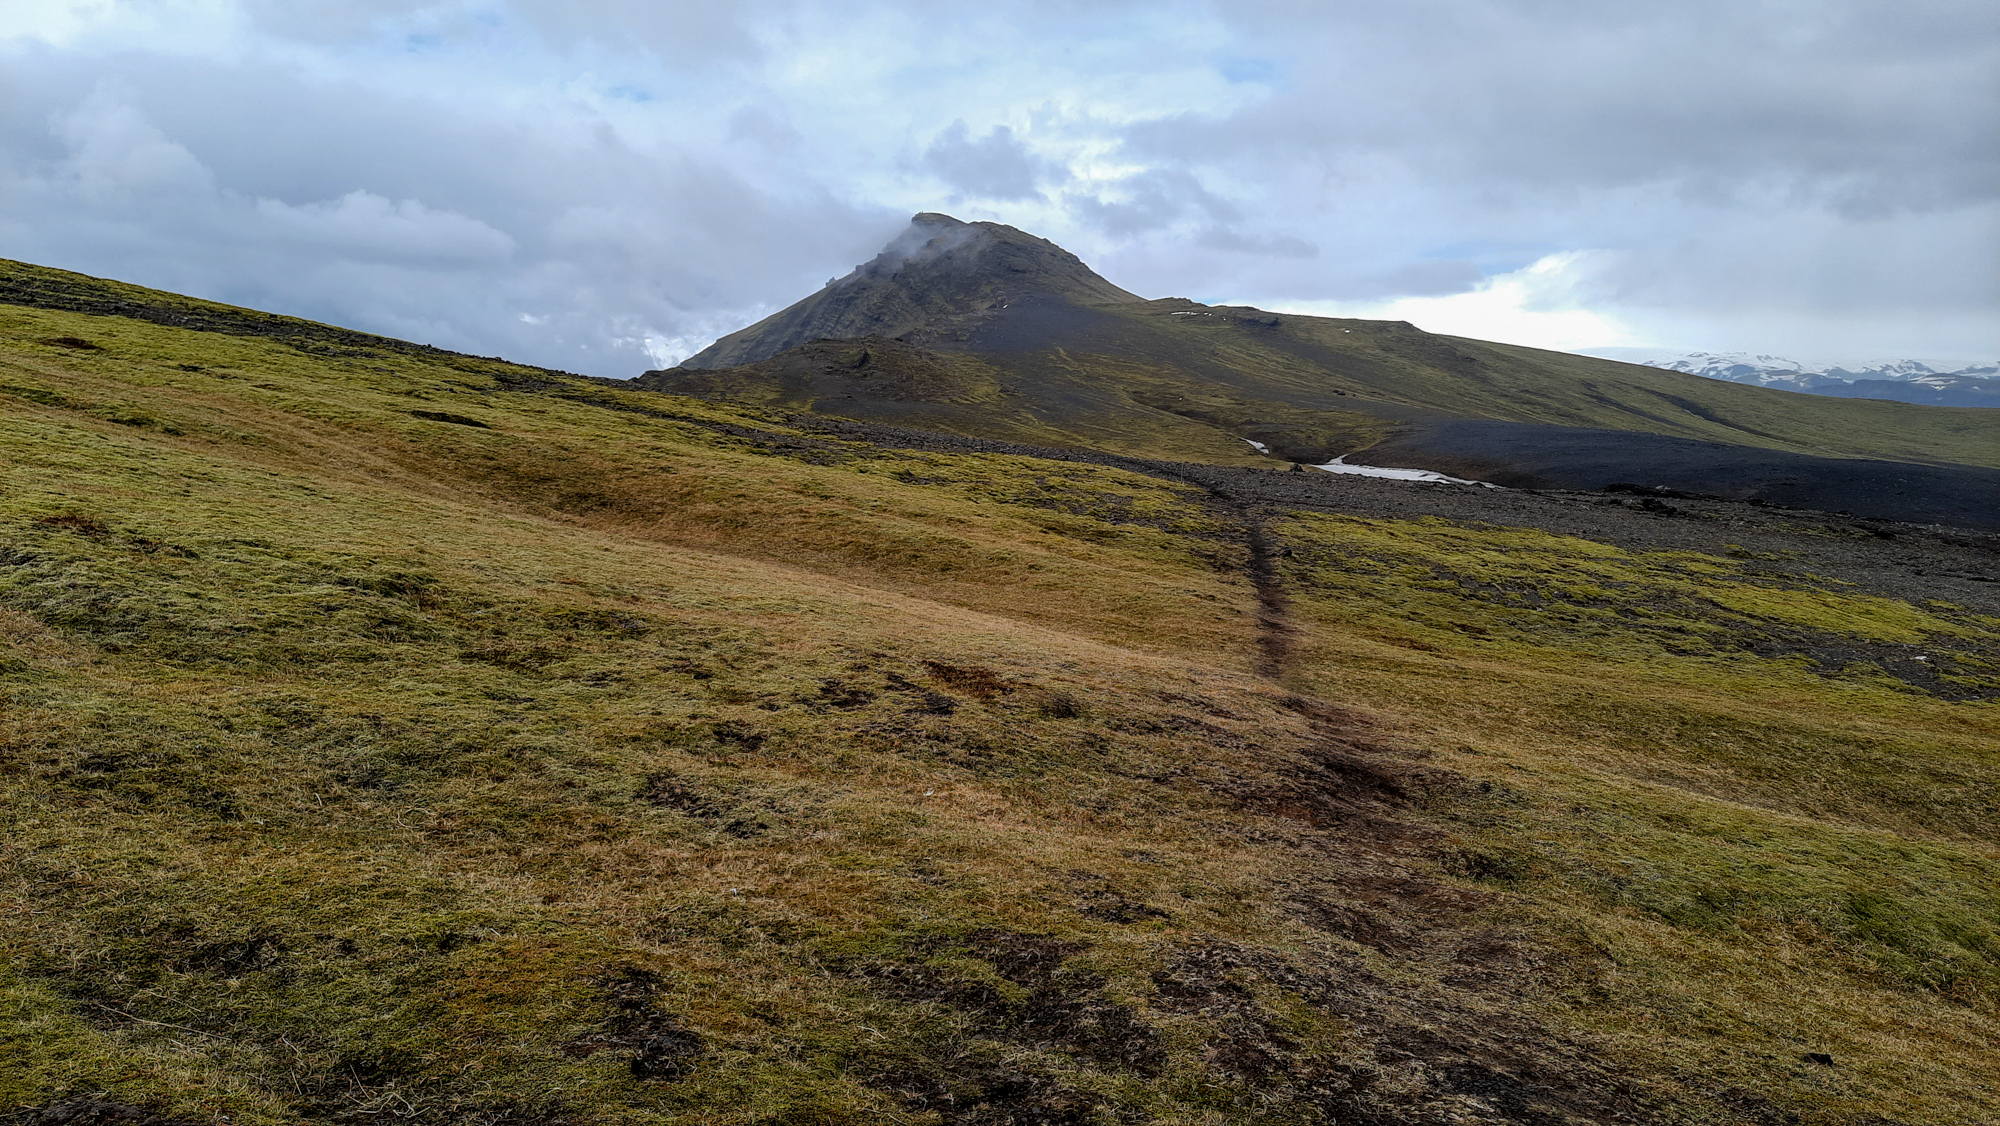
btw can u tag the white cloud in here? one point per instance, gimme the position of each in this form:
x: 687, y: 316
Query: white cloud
x: 1555, y: 302
x: 996, y: 166
x: 115, y: 154
x: 119, y: 24
x: 364, y: 224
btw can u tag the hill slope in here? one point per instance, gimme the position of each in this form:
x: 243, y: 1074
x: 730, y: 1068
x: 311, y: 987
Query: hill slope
x: 939, y: 268
x: 1067, y: 364
x: 392, y: 735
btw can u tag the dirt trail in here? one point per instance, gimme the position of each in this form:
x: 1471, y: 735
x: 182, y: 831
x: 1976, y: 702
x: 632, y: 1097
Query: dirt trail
x: 1276, y: 635
x: 1274, y: 627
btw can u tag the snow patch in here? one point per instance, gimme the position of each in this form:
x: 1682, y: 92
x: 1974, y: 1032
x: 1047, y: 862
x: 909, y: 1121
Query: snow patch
x: 1339, y: 465
x: 1791, y: 375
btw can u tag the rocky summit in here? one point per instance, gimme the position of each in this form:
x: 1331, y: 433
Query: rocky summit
x: 938, y: 268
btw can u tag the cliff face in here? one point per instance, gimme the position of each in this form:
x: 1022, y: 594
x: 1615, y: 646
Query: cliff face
x: 938, y: 267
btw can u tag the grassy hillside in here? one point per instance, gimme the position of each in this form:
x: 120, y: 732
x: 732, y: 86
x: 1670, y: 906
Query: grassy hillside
x: 1176, y: 379
x: 1399, y: 371
x: 394, y: 735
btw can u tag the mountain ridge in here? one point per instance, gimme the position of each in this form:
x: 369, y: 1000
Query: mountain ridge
x: 937, y: 267
x: 1074, y: 364
x: 1908, y: 381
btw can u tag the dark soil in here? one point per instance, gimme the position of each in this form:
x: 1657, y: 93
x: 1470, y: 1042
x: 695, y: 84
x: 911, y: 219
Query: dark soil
x: 1459, y: 1049
x: 659, y: 1047
x: 88, y: 1111
x: 446, y: 416
x: 1064, y: 1009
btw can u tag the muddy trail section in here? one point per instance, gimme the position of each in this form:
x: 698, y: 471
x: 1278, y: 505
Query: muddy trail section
x: 1438, y: 997
x: 1274, y: 629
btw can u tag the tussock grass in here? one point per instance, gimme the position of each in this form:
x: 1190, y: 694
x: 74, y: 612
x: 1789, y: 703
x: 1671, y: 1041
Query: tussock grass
x: 627, y: 758
x: 1730, y: 832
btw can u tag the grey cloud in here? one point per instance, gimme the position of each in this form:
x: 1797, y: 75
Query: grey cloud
x: 1868, y: 106
x: 327, y: 20
x: 596, y: 183
x: 761, y: 126
x: 1268, y: 246
x: 364, y: 225
x: 1432, y: 278
x: 1798, y: 159
x: 530, y: 239
x: 996, y: 166
x: 685, y: 32
x: 1151, y: 201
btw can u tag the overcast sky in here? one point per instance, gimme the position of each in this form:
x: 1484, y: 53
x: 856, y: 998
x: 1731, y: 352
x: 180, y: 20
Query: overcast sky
x: 606, y: 185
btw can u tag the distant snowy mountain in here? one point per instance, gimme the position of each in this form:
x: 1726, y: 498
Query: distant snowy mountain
x: 1908, y: 381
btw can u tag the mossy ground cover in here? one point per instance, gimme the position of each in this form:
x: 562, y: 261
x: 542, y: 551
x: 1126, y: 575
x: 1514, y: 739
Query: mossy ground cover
x: 1735, y: 825
x: 391, y: 735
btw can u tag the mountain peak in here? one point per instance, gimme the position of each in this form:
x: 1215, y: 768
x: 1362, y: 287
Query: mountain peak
x: 938, y: 266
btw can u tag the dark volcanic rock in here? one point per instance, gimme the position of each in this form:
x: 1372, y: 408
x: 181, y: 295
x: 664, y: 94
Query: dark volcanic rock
x: 1523, y: 455
x: 939, y: 267
x: 877, y: 368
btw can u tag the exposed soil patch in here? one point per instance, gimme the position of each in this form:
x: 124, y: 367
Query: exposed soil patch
x: 1378, y: 931
x: 87, y: 1111
x: 670, y: 791
x: 973, y: 680
x: 1275, y: 635
x: 1418, y: 1059
x: 837, y: 693
x: 1066, y: 1007
x: 89, y: 526
x: 1055, y: 1007
x: 447, y: 416
x: 1349, y: 781
x: 660, y: 1048
x: 984, y: 1093
x: 926, y: 701
x: 1108, y: 906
